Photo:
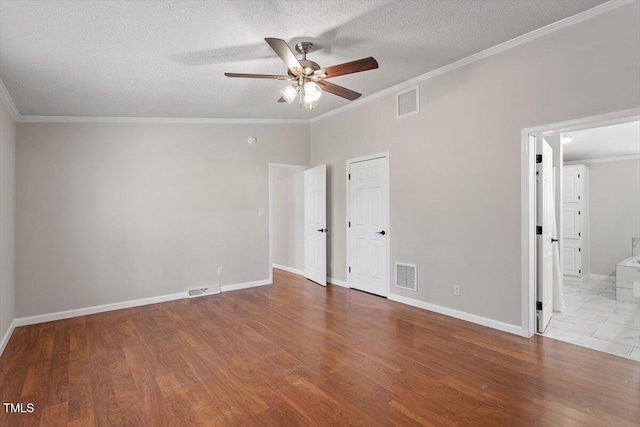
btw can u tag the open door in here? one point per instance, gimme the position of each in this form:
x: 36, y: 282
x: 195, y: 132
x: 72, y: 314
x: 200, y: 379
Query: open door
x: 544, y: 232
x: 315, y: 224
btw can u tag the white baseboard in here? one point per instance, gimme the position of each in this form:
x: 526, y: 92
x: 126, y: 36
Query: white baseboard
x: 289, y: 269
x: 479, y: 320
x: 32, y: 320
x: 7, y: 336
x: 576, y: 279
x: 245, y: 285
x: 337, y: 282
x: 603, y: 278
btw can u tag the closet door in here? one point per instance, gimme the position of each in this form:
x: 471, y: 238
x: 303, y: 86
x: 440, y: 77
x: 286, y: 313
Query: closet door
x: 571, y: 253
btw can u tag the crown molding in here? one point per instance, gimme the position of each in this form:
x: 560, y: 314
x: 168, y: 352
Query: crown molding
x: 535, y: 34
x: 88, y: 119
x: 8, y: 102
x: 602, y: 160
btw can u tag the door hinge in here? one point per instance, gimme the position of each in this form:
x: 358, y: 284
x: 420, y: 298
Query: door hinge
x: 578, y: 197
x: 579, y: 249
x: 538, y: 305
x: 349, y: 223
x: 349, y: 269
x: 579, y: 234
x: 538, y: 158
x: 538, y: 229
x: 578, y: 212
x: 580, y: 271
x: 578, y: 175
x: 349, y: 176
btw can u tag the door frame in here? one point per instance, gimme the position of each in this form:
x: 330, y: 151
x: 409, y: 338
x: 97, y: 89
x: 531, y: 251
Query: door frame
x: 528, y: 201
x: 385, y: 156
x: 270, y: 209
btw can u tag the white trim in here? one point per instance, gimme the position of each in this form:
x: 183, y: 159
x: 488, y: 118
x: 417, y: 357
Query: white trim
x: 602, y: 160
x: 289, y: 269
x: 384, y: 155
x: 245, y: 285
x: 337, y: 282
x: 478, y: 320
x: 535, y: 34
x: 8, y: 102
x: 410, y: 113
x: 7, y: 336
x: 528, y: 206
x: 602, y: 278
x: 79, y: 119
x: 32, y: 320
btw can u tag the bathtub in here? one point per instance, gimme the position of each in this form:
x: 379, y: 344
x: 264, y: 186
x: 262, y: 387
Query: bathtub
x: 634, y: 261
x: 628, y: 280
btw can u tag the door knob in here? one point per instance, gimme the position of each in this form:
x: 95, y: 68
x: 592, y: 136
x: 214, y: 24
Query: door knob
x: 381, y: 232
x: 323, y: 230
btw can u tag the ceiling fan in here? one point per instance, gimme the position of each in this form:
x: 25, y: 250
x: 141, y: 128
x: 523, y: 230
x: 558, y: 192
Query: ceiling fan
x: 308, y: 76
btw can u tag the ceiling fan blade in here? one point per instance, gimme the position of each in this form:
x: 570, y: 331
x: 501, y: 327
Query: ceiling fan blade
x: 258, y: 76
x: 356, y: 66
x: 284, y: 52
x: 339, y: 90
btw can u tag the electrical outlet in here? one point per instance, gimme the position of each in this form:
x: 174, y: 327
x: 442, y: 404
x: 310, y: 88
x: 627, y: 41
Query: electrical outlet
x: 219, y: 271
x: 456, y: 289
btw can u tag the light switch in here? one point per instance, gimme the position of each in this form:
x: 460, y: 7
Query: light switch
x: 262, y: 212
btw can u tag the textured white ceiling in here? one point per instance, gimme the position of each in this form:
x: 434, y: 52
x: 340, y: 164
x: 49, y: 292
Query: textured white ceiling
x: 604, y: 142
x: 167, y: 58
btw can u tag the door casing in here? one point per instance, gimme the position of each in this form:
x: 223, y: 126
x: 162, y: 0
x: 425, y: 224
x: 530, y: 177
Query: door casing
x: 528, y: 202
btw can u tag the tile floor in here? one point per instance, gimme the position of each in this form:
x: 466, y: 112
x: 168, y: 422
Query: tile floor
x: 594, y: 319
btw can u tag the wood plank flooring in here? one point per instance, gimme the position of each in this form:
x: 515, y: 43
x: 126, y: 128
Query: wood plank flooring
x: 295, y: 353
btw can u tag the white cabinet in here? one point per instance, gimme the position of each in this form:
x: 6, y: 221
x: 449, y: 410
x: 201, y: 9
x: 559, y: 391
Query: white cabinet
x: 575, y: 220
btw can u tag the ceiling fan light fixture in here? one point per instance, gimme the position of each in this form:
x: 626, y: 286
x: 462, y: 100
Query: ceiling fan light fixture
x: 311, y: 92
x: 306, y: 73
x: 309, y: 105
x: 290, y: 92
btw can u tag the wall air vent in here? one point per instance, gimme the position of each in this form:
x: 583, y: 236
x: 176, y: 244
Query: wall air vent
x: 201, y: 292
x: 406, y: 277
x: 408, y: 102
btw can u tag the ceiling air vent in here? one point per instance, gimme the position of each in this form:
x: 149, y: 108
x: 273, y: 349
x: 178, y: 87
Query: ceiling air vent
x: 408, y: 102
x: 406, y: 276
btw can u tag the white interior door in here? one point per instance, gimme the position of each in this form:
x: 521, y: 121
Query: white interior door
x: 368, y: 226
x: 544, y: 219
x: 315, y: 224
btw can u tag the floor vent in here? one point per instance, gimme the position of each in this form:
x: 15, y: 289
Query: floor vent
x: 406, y: 276
x: 200, y: 292
x: 407, y: 102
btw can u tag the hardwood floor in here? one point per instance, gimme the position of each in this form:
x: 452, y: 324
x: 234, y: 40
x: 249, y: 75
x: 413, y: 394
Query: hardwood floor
x: 295, y: 353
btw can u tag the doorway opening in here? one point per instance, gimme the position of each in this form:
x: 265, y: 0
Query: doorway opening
x: 574, y: 286
x: 286, y: 218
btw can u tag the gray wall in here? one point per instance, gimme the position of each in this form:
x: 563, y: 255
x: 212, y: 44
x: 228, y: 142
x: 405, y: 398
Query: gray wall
x: 7, y: 217
x: 287, y: 213
x: 115, y: 212
x: 614, y: 213
x: 455, y: 167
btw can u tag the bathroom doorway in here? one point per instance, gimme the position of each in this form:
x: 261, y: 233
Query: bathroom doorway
x: 595, y: 298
